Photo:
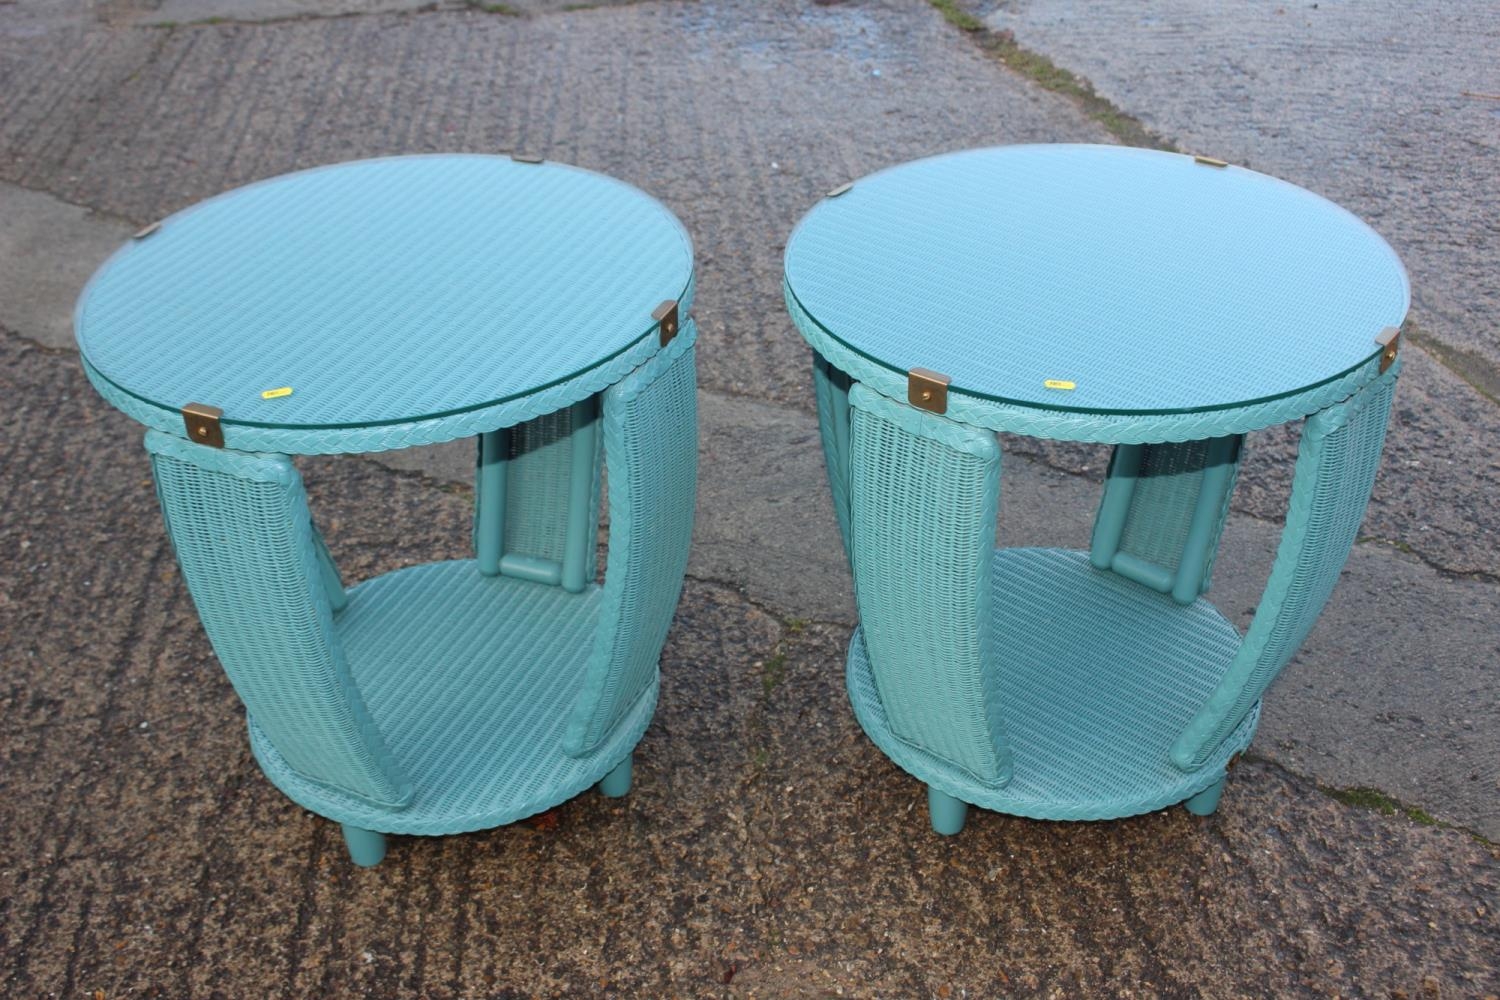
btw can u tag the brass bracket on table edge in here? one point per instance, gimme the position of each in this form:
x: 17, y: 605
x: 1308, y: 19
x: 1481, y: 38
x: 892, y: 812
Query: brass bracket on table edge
x: 1209, y: 161
x: 927, y: 390
x: 666, y: 320
x: 525, y: 158
x: 1390, y: 342
x: 202, y: 422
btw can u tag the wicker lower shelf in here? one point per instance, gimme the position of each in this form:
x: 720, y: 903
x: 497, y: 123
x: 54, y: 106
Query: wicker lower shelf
x: 1098, y: 675
x: 470, y: 680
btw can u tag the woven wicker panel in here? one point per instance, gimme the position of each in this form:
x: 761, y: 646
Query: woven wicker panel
x: 384, y: 291
x: 470, y: 679
x: 924, y: 496
x: 832, y: 390
x: 1166, y: 493
x: 1092, y: 701
x: 244, y: 539
x: 539, y: 465
x: 1337, y: 460
x: 1150, y: 281
x: 651, y: 451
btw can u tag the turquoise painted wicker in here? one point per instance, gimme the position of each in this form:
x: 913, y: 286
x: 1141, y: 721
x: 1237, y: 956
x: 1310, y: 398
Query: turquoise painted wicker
x: 1336, y: 466
x: 832, y: 389
x: 405, y: 301
x: 408, y: 301
x: 1162, y: 511
x: 1017, y: 682
x: 1005, y: 268
x: 441, y: 700
x: 1089, y: 736
x: 1083, y: 685
x: 923, y: 591
x: 243, y: 536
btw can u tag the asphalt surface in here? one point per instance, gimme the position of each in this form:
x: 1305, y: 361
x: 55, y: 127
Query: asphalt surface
x: 767, y: 848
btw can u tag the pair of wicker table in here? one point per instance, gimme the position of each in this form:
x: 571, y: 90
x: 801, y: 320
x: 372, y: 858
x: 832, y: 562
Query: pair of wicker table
x: 1154, y: 302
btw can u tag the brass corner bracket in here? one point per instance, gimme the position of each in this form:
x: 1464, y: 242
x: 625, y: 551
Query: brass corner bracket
x: 666, y: 320
x: 1390, y: 343
x: 927, y: 390
x: 202, y: 422
x: 1209, y: 161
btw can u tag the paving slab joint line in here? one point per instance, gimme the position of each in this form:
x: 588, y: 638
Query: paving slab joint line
x: 1478, y: 372
x: 1042, y: 71
x: 37, y: 345
x: 457, y: 6
x: 103, y: 214
x: 439, y: 7
x: 1370, y: 798
x: 1406, y: 548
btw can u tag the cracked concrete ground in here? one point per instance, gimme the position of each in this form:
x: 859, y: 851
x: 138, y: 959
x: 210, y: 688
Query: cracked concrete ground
x: 767, y: 849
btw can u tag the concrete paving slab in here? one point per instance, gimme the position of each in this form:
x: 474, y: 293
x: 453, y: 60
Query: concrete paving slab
x: 1380, y: 106
x: 48, y: 249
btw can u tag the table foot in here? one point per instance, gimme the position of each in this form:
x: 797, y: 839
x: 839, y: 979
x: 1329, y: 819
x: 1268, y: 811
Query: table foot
x: 1206, y: 801
x: 366, y: 847
x: 616, y: 784
x: 948, y: 814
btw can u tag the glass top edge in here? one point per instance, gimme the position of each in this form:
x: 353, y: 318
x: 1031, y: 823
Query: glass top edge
x: 99, y: 274
x: 684, y: 295
x: 1097, y: 411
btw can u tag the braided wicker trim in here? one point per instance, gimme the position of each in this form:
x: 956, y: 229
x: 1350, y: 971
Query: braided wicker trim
x: 389, y: 437
x: 1104, y: 428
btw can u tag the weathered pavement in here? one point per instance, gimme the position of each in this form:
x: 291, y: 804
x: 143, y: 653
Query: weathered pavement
x: 767, y: 849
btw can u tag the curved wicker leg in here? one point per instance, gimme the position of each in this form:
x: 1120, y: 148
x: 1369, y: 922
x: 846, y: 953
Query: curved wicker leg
x: 832, y: 388
x: 616, y: 784
x: 948, y: 814
x: 366, y: 847
x: 1206, y: 801
x: 924, y: 491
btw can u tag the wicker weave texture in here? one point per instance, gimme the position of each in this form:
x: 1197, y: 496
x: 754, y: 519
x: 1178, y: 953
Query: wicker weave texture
x: 925, y: 493
x: 383, y: 292
x: 439, y: 700
x: 539, y: 468
x: 1337, y: 460
x: 651, y: 451
x: 1096, y: 676
x: 831, y: 387
x: 244, y: 540
x: 1166, y: 487
x: 1151, y: 282
x: 471, y: 680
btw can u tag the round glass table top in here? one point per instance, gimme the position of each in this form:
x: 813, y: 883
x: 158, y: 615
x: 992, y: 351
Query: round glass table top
x: 383, y: 291
x: 1098, y: 279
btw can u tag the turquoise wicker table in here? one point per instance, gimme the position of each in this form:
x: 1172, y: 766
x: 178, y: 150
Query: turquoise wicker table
x: 1161, y: 303
x: 386, y: 303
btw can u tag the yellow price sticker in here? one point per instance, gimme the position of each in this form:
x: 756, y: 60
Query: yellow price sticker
x: 1057, y: 383
x: 285, y: 390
